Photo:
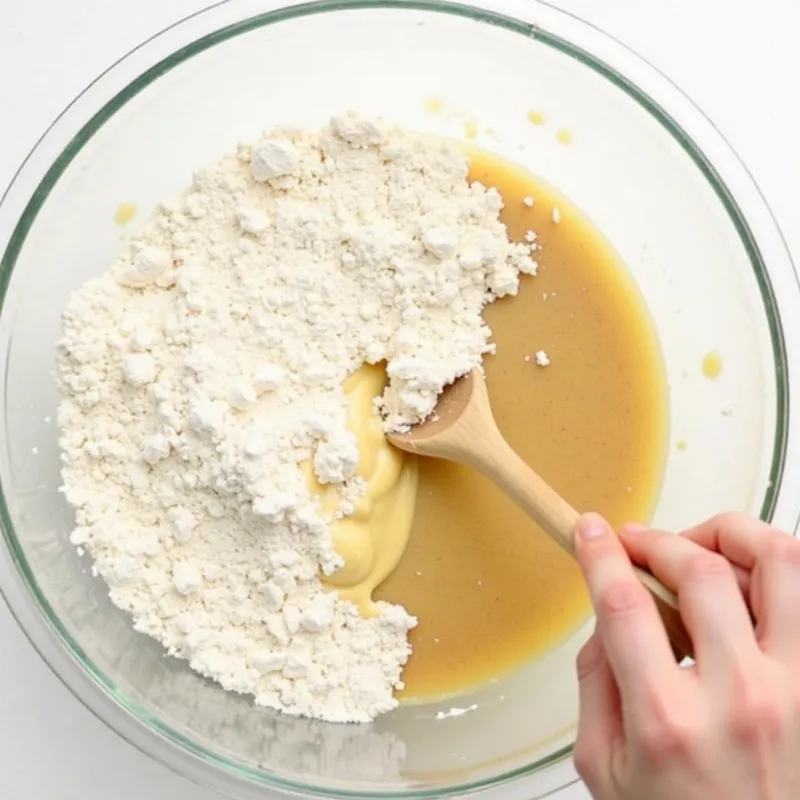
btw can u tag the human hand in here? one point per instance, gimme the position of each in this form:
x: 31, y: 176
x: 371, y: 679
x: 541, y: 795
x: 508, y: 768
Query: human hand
x: 725, y: 728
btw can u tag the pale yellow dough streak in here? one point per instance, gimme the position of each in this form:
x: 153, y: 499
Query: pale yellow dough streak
x: 371, y: 540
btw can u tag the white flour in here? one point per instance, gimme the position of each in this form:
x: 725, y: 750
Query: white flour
x: 207, y: 364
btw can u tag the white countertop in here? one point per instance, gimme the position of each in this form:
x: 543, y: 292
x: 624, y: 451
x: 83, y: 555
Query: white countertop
x: 735, y: 58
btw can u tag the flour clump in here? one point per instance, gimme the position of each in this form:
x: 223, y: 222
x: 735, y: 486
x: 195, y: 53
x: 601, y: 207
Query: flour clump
x: 201, y: 382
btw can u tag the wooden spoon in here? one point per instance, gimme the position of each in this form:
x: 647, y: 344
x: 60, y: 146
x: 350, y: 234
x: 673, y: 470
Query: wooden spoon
x: 462, y: 429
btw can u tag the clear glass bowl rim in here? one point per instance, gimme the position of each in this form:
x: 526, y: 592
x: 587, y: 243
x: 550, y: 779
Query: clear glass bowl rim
x: 18, y: 582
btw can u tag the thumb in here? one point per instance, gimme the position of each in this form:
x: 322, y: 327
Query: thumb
x: 600, y: 717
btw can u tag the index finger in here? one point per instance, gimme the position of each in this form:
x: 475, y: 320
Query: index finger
x: 633, y: 635
x: 736, y: 536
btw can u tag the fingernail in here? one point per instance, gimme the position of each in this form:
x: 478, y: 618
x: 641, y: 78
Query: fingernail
x: 590, y: 526
x: 633, y: 527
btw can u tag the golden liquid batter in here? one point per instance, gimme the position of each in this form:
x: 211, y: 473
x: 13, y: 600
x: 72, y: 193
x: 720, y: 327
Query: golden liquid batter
x: 490, y: 589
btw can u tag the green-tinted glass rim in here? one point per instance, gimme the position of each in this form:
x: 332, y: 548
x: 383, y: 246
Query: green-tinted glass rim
x: 207, y: 41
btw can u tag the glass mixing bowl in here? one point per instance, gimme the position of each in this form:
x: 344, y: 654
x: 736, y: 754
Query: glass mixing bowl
x: 644, y: 164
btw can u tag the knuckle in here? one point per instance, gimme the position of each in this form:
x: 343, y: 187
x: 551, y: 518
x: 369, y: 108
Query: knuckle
x: 784, y: 548
x: 663, y: 543
x: 757, y: 716
x: 621, y: 599
x: 660, y: 745
x: 670, y: 734
x: 729, y: 520
x: 675, y: 721
x: 706, y: 566
x: 597, y: 550
x: 664, y: 548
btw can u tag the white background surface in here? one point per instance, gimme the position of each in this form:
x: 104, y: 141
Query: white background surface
x: 737, y: 59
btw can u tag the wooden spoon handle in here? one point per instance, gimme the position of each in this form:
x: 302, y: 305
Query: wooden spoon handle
x: 557, y: 518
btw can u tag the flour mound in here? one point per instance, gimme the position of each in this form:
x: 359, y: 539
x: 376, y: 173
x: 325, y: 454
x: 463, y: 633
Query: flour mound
x: 206, y: 366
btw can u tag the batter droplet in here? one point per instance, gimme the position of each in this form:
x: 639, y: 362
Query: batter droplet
x: 712, y: 365
x: 125, y: 213
x: 434, y: 105
x: 536, y: 117
x: 565, y: 136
